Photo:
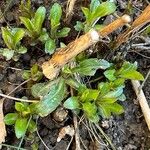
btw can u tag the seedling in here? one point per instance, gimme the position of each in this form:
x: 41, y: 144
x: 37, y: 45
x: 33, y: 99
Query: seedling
x: 34, y: 26
x: 26, y: 9
x: 34, y: 74
x: 21, y: 119
x: 102, y: 101
x: 12, y: 38
x: 55, y: 31
x: 92, y: 15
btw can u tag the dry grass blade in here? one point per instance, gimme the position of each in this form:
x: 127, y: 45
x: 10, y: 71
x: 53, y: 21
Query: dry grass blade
x: 2, y: 124
x: 52, y: 67
x: 69, y: 9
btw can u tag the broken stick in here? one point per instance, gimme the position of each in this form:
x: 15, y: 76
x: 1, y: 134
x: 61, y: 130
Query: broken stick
x: 142, y: 101
x: 52, y: 67
x: 143, y: 19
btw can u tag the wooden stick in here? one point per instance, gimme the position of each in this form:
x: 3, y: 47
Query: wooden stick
x: 142, y: 101
x: 52, y: 67
x: 143, y: 19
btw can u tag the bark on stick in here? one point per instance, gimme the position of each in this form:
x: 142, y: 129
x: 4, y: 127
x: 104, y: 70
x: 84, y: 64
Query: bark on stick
x: 52, y: 67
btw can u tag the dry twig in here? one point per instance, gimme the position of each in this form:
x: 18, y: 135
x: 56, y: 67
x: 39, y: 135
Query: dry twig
x: 143, y: 19
x: 69, y: 9
x: 52, y: 67
x: 142, y: 101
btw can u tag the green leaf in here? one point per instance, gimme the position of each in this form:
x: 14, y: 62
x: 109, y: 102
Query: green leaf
x: 39, y: 90
x: 26, y: 74
x: 52, y: 100
x: 79, y: 26
x: 19, y: 34
x: 34, y: 69
x: 86, y: 12
x: 115, y: 93
x: 116, y: 108
x: 94, y: 4
x: 20, y: 127
x: 55, y: 15
x: 8, y: 53
x: 133, y: 75
x: 72, y: 103
x: 20, y: 106
x: 39, y: 19
x: 104, y: 88
x: 107, y: 100
x: 50, y: 46
x: 43, y: 36
x: 128, y: 71
x: 109, y: 74
x: 22, y: 50
x: 87, y: 67
x: 90, y: 110
x: 32, y: 126
x: 27, y: 23
x: 105, y: 8
x: 75, y: 84
x: 104, y: 64
x: 104, y: 111
x: 89, y: 95
x: 10, y: 118
x: 7, y: 37
x: 63, y: 32
x: 99, y: 27
x: 122, y: 97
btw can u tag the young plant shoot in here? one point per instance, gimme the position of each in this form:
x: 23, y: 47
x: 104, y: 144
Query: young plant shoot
x: 93, y: 14
x: 12, y: 38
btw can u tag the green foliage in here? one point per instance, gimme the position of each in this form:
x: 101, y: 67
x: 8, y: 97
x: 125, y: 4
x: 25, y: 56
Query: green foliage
x: 88, y: 67
x: 55, y: 32
x: 102, y: 101
x: 34, y: 73
x: 94, y: 13
x: 51, y: 100
x: 12, y: 38
x: 25, y: 9
x: 34, y: 25
x: 21, y: 119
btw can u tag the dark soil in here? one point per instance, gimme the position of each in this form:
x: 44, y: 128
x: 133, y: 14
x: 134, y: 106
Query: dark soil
x: 127, y: 131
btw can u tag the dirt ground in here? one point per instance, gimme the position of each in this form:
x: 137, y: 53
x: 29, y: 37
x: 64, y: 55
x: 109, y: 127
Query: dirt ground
x: 127, y: 131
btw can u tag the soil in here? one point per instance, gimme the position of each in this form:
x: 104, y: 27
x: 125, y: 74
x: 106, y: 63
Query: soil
x: 127, y: 131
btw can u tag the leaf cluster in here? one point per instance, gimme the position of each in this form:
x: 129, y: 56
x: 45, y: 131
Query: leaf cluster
x: 92, y: 14
x: 102, y: 101
x: 21, y: 119
x: 34, y: 29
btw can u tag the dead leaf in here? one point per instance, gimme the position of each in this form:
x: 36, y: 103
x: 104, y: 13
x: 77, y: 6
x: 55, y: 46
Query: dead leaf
x: 69, y: 130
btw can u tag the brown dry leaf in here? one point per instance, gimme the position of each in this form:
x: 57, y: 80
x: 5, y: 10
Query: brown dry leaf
x: 2, y: 124
x: 69, y: 130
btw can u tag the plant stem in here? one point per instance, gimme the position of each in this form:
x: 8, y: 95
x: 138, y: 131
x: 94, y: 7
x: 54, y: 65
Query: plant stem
x: 18, y: 99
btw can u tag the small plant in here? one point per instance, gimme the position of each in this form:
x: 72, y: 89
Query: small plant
x: 104, y: 100
x: 34, y: 74
x: 37, y: 33
x: 21, y: 119
x: 26, y: 9
x: 34, y: 26
x: 55, y: 31
x: 12, y: 38
x: 93, y: 14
